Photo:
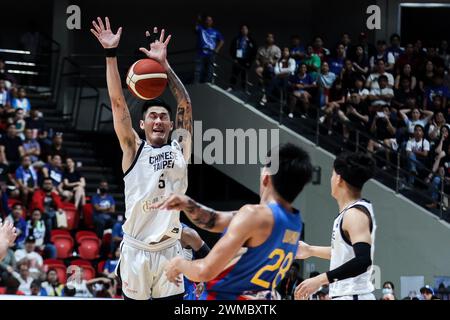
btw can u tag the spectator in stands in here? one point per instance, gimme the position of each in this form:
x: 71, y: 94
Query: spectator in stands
x: 49, y: 203
x: 325, y: 81
x: 319, y: 49
x: 4, y: 75
x: 19, y: 121
x: 16, y: 218
x: 383, y: 129
x: 312, y: 60
x: 442, y: 173
x: 433, y: 56
x: 104, y: 209
x: 36, y: 289
x: 347, y: 42
x: 403, y: 94
x: 406, y: 74
x: 284, y: 68
x: 266, y: 58
x: 26, y: 178
x: 30, y: 146
x: 440, y: 151
x: 243, y: 51
x: 24, y: 277
x: 4, y: 94
x: 416, y: 118
x: 300, y: 84
x: 348, y: 75
x: 381, y: 95
x: 368, y: 48
x: 117, y: 233
x: 334, y: 101
x: 419, y: 49
x: 52, y: 286
x: 417, y: 149
x: 426, y: 76
x: 428, y: 293
x: 209, y: 42
x: 444, y: 53
x: 336, y: 63
x: 21, y: 102
x: 35, y: 261
x: 111, y: 264
x: 79, y: 283
x: 408, y: 57
x: 356, y: 110
x: 361, y: 62
x: 36, y: 228
x: 372, y: 80
x: 434, y: 128
x: 437, y: 89
x: 11, y: 149
x: 74, y: 185
x: 56, y: 148
x: 298, y: 52
x: 395, y: 47
x: 36, y: 123
x: 53, y: 170
x: 8, y: 264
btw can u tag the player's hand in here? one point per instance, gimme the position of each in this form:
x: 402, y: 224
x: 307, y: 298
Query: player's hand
x: 173, y: 202
x: 8, y: 233
x: 104, y: 34
x: 307, y: 288
x: 158, y: 48
x: 173, y: 274
x: 303, y: 251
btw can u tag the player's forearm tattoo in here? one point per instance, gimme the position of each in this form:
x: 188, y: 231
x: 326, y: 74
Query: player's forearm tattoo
x: 184, y: 111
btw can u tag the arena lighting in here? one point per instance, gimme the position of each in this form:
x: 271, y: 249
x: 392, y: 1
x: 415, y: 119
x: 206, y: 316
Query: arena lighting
x: 18, y: 63
x: 23, y: 72
x: 15, y: 51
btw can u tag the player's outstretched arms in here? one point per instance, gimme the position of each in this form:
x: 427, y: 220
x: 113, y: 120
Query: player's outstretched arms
x: 243, y: 226
x: 7, y: 237
x: 183, y: 120
x: 305, y: 251
x: 202, y: 216
x: 128, y: 138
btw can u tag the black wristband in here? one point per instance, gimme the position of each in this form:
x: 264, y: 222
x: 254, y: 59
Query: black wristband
x: 111, y: 52
x: 202, y: 252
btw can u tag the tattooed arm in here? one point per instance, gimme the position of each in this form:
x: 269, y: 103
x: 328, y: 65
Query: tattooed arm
x: 128, y: 138
x: 202, y: 216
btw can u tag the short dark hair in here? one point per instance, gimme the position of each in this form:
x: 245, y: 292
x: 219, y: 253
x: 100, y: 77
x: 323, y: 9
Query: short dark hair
x: 389, y: 283
x: 356, y: 168
x: 16, y: 205
x: 47, y: 179
x: 156, y: 103
x: 294, y: 171
x: 394, y: 35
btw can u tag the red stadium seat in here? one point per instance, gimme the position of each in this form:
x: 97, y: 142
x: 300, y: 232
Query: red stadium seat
x: 89, y: 271
x: 72, y: 218
x: 63, y: 242
x: 88, y: 213
x: 60, y: 268
x: 89, y: 247
x: 81, y: 234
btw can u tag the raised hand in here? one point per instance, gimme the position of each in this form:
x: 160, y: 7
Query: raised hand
x: 158, y: 48
x: 104, y: 34
x: 8, y: 232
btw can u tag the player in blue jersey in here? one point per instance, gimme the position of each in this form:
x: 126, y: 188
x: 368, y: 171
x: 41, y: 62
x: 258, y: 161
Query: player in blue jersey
x: 259, y: 242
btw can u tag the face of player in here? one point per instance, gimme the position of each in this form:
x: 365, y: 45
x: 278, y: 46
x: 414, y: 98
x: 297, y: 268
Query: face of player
x: 157, y: 125
x: 334, y: 184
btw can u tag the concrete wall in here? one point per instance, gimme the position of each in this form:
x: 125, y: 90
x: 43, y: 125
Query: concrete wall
x: 409, y: 240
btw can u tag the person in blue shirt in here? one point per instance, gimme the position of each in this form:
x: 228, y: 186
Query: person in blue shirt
x: 26, y: 177
x: 336, y: 63
x: 111, y: 264
x: 21, y: 101
x: 209, y: 42
x: 104, y: 209
x: 395, y: 48
x: 300, y: 84
x: 117, y: 233
x: 298, y: 51
x: 19, y: 223
x: 53, y: 171
x: 437, y: 89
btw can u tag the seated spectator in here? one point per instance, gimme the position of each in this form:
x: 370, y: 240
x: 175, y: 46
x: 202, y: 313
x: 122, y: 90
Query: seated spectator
x: 336, y: 63
x: 319, y: 49
x: 7, y: 77
x: 417, y: 149
x: 4, y: 94
x: 29, y: 254
x: 428, y: 293
x: 36, y: 123
x: 26, y: 178
x: 74, y: 184
x: 12, y: 287
x: 383, y: 129
x: 6, y: 177
x: 406, y: 74
x: 434, y: 128
x: 361, y: 62
x: 312, y: 60
x: 111, y: 264
x: 19, y: 121
x: 243, y: 52
x: 11, y: 149
x: 47, y: 201
x: 325, y: 81
x: 24, y: 277
x: 372, y: 80
x: 443, y: 172
x: 297, y: 50
x: 266, y: 58
x: 348, y: 75
x: 395, y: 47
x: 104, y: 209
x: 56, y: 148
x: 437, y: 106
x: 408, y: 57
x: 384, y: 55
x: 440, y: 151
x: 36, y: 289
x: 284, y: 68
x: 334, y: 101
x: 426, y: 76
x: 36, y: 228
x: 347, y: 42
x: 363, y: 42
x: 8, y: 264
x: 79, y: 283
x: 52, y: 286
x: 117, y: 233
x: 21, y: 101
x: 382, y: 95
x: 53, y: 170
x: 31, y: 146
x: 16, y: 218
x: 433, y: 56
x: 300, y: 84
x: 437, y: 89
x: 402, y: 94
x: 418, y: 117
x: 356, y: 108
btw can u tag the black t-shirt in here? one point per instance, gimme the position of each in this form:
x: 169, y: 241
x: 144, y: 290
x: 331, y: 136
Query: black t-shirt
x: 11, y: 147
x: 49, y: 205
x: 51, y: 151
x: 401, y: 96
x: 35, y: 124
x: 72, y: 177
x: 4, y: 170
x: 382, y: 131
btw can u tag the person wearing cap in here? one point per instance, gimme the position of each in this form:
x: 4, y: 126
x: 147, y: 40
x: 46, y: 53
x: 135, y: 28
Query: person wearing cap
x: 417, y: 150
x: 427, y: 293
x: 353, y: 238
x: 29, y: 254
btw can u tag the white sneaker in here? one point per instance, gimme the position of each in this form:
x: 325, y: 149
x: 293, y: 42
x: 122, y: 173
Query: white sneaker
x: 291, y: 115
x: 264, y: 99
x: 322, y: 119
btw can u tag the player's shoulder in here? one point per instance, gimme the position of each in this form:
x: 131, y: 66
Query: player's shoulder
x: 256, y: 213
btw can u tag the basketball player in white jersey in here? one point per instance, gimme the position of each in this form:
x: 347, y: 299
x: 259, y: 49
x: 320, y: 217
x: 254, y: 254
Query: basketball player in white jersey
x: 353, y: 238
x: 153, y: 168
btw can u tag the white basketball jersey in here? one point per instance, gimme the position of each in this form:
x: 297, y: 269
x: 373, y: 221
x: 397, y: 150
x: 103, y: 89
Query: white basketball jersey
x: 342, y: 252
x: 155, y: 174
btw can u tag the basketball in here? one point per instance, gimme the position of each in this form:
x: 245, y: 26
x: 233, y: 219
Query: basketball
x: 146, y: 79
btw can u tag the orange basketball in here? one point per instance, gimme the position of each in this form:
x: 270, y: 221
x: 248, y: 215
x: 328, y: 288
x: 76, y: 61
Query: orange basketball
x: 146, y: 79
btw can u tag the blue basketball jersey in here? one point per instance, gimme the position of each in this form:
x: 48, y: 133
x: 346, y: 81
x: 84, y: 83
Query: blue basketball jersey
x: 260, y: 269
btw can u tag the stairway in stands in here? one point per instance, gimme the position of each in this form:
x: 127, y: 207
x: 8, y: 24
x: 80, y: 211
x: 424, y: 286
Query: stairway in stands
x: 81, y: 148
